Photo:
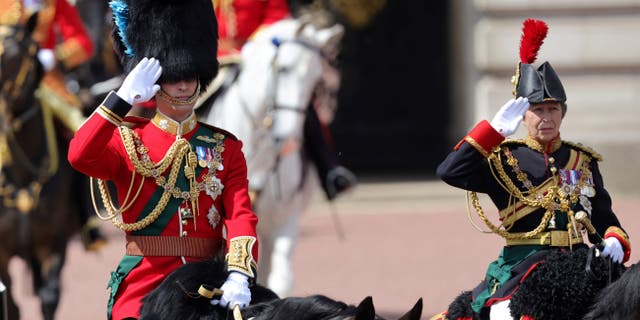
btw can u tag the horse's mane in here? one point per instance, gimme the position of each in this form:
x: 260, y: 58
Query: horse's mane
x: 561, y: 285
x: 312, y: 307
x: 620, y: 300
x: 177, y: 298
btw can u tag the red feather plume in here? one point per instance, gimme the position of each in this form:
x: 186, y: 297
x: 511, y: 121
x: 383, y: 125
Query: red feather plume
x: 533, y: 34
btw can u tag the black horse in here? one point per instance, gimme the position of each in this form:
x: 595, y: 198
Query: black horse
x: 620, y: 300
x: 177, y: 298
x: 37, y: 197
x: 563, y: 287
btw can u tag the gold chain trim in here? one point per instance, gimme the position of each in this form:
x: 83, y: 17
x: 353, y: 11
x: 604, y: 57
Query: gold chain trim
x: 174, y: 158
x: 179, y: 151
x: 555, y: 198
x: 177, y: 102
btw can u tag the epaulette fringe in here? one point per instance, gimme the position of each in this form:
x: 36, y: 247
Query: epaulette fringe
x: 585, y: 149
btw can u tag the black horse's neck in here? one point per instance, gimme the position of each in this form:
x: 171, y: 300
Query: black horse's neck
x: 22, y: 130
x: 28, y: 148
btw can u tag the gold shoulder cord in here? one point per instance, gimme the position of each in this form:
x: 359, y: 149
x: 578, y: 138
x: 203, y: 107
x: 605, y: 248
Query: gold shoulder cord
x: 174, y: 158
x: 503, y: 233
x: 544, y: 201
x: 554, y: 199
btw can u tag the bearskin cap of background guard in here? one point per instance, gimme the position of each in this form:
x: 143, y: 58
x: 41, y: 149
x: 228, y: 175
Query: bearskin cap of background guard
x: 181, y: 34
x: 541, y: 84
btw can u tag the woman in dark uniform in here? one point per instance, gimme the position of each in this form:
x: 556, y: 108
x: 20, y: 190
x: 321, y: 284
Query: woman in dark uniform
x: 545, y: 188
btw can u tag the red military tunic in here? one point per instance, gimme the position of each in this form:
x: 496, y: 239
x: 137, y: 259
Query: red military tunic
x: 98, y: 150
x: 60, y: 28
x: 239, y: 19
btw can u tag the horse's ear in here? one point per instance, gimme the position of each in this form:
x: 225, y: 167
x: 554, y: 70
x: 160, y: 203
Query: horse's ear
x: 415, y: 313
x: 365, y: 310
x: 32, y: 22
x: 330, y: 39
x: 333, y: 34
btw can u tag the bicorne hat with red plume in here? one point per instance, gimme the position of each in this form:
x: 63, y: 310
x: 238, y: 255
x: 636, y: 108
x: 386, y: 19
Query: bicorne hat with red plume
x: 541, y: 84
x: 181, y: 34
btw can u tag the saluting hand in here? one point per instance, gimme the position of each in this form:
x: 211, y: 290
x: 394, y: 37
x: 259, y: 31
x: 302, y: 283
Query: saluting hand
x: 140, y: 84
x: 508, y: 118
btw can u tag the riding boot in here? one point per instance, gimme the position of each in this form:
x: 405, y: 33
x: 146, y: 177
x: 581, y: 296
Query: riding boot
x: 334, y: 178
x: 92, y: 238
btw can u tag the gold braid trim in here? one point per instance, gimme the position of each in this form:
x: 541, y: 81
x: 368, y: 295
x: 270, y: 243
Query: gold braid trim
x: 531, y: 143
x: 505, y: 234
x: 592, y: 153
x: 177, y: 102
x: 619, y: 232
x: 554, y: 199
x: 240, y: 257
x: 177, y: 150
x: 477, y: 146
x: 174, y: 158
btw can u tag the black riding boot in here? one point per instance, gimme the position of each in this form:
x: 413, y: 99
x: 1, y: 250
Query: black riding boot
x: 334, y: 178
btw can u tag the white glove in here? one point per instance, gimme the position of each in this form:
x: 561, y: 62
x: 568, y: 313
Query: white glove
x: 235, y: 291
x: 47, y: 59
x: 508, y: 118
x: 613, y: 248
x: 140, y: 84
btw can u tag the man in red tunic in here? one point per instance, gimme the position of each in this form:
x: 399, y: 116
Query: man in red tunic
x: 238, y: 20
x: 182, y: 185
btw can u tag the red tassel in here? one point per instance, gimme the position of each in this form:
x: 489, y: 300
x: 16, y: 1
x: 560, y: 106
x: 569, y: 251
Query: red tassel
x: 533, y: 34
x: 527, y: 318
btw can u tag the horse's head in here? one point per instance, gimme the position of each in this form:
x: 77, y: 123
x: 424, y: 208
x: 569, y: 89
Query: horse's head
x: 290, y: 58
x: 366, y: 311
x: 20, y: 71
x: 322, y: 307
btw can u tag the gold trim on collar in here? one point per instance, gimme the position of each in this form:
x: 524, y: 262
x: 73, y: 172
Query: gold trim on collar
x: 173, y: 127
x: 537, y: 146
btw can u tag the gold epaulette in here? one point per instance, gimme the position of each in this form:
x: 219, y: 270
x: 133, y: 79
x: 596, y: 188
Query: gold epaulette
x: 511, y: 142
x: 225, y: 134
x: 578, y: 146
x: 592, y: 153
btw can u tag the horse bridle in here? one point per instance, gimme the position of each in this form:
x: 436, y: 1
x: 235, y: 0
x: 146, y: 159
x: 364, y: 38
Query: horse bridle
x: 11, y: 123
x: 267, y: 121
x: 273, y: 106
x: 23, y: 199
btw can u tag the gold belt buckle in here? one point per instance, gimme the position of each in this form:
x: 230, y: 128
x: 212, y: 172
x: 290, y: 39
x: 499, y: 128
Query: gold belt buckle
x: 559, y: 239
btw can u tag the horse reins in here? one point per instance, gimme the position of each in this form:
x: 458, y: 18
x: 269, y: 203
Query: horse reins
x: 23, y: 199
x: 274, y: 106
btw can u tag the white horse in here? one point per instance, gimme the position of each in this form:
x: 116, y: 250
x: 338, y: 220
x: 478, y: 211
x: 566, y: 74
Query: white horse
x: 265, y: 107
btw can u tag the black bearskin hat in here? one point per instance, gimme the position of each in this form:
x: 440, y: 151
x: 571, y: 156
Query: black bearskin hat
x: 541, y: 84
x: 181, y: 34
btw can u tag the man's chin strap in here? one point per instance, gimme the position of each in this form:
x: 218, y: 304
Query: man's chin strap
x: 177, y: 102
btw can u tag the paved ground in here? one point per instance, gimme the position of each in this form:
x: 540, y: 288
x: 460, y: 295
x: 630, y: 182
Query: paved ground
x: 401, y: 241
